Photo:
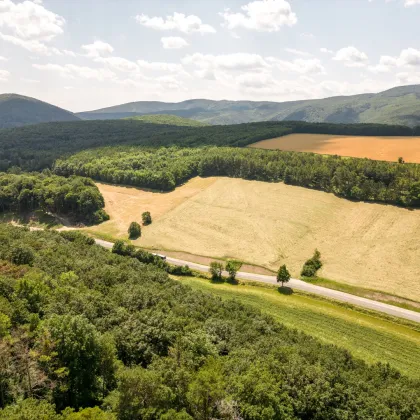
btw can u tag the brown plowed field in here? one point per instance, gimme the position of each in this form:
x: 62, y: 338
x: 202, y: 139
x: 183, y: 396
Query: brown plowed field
x: 378, y: 148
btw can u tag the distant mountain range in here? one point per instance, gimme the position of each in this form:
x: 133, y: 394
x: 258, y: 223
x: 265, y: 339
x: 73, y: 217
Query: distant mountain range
x: 400, y: 105
x: 17, y: 110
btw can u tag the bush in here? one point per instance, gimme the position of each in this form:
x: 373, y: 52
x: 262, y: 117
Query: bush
x: 180, y: 270
x: 147, y: 218
x: 76, y: 236
x: 21, y: 255
x: 311, y: 267
x: 216, y: 270
x: 134, y: 231
x: 232, y: 267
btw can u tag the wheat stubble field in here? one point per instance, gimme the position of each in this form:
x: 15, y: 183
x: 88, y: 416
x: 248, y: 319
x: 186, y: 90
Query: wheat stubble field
x: 378, y: 148
x: 268, y: 224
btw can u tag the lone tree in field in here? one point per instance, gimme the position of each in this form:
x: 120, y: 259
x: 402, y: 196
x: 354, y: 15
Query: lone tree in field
x: 147, y: 218
x: 232, y: 267
x: 216, y: 270
x: 283, y: 275
x: 134, y: 231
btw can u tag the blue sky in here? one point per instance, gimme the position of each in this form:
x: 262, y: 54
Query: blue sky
x: 87, y: 54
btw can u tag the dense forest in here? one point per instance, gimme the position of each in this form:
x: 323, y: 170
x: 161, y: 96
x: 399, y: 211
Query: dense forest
x: 85, y: 329
x: 76, y: 197
x: 38, y: 146
x: 166, y: 168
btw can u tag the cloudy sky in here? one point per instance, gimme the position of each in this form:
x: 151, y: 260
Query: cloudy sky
x: 87, y: 54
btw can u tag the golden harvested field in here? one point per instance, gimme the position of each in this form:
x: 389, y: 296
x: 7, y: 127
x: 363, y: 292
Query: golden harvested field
x: 268, y: 224
x: 378, y: 148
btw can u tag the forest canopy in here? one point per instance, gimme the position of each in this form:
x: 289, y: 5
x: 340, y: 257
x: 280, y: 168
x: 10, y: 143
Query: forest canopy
x: 74, y: 196
x: 166, y: 168
x: 83, y: 328
x: 38, y: 146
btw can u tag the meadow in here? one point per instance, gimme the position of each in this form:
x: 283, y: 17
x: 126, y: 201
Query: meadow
x: 366, y: 336
x: 378, y: 148
x: 268, y: 224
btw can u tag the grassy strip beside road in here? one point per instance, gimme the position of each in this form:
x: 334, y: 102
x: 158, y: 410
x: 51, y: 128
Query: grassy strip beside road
x: 364, y: 335
x: 387, y: 298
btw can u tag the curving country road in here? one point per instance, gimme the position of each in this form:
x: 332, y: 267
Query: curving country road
x: 307, y: 287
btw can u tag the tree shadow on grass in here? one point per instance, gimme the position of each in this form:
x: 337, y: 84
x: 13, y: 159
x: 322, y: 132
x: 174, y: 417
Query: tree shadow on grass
x: 284, y: 290
x: 224, y: 280
x: 216, y: 280
x: 234, y: 282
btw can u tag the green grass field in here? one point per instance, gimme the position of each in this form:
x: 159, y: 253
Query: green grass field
x: 371, y: 338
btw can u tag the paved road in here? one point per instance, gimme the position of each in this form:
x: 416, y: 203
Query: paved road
x: 307, y: 287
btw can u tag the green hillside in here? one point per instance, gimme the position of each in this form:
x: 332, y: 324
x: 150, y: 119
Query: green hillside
x: 17, y: 110
x: 166, y: 119
x: 84, y: 327
x: 400, y: 105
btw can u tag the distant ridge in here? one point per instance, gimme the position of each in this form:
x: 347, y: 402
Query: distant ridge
x: 166, y: 119
x: 399, y: 105
x: 18, y: 110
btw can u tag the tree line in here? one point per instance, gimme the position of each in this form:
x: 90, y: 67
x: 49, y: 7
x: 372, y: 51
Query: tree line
x: 90, y: 334
x: 38, y: 146
x: 166, y: 168
x: 74, y: 196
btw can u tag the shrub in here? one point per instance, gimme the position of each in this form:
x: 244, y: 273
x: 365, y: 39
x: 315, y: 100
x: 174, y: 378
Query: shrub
x: 147, y: 218
x: 21, y: 255
x: 216, y: 270
x: 75, y: 236
x: 232, y: 267
x: 134, y: 231
x: 311, y: 267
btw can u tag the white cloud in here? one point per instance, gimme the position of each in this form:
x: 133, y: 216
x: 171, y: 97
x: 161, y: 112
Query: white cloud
x: 300, y: 65
x: 307, y: 35
x: 298, y: 52
x: 261, y: 15
x: 236, y: 61
x: 160, y: 66
x: 35, y: 46
x: 30, y: 81
x: 30, y: 20
x: 173, y: 42
x: 409, y: 3
x: 4, y: 75
x: 386, y: 63
x: 351, y: 57
x: 72, y: 71
x: 179, y: 22
x: 30, y: 45
x: 405, y: 78
x: 326, y: 51
x: 409, y: 57
x: 3, y: 58
x: 98, y: 49
x: 118, y: 63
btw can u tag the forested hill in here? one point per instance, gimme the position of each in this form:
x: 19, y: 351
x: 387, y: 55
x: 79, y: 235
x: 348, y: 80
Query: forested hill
x: 82, y: 328
x: 17, y: 110
x: 400, y: 105
x: 168, y: 120
x: 38, y: 146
